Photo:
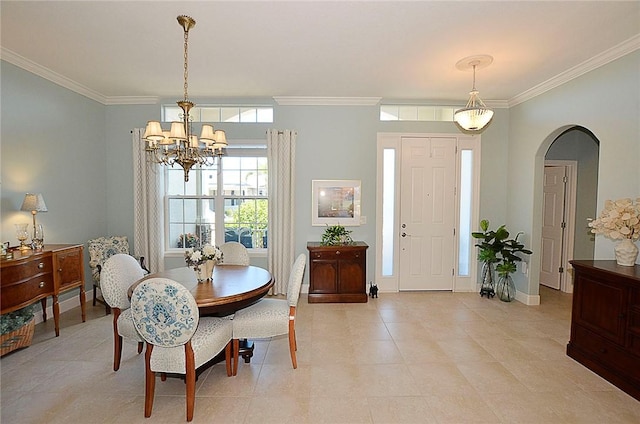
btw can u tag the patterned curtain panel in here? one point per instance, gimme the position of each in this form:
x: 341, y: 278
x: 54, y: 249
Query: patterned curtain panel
x: 281, y: 154
x: 148, y: 238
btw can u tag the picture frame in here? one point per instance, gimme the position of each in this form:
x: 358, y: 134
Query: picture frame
x: 335, y: 202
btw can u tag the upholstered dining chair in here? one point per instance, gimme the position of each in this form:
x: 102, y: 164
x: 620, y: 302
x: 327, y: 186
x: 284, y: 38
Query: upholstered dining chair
x: 271, y: 317
x: 117, y: 275
x: 234, y: 253
x: 179, y: 341
x: 101, y: 249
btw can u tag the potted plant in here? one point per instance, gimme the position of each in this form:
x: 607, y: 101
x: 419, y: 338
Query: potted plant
x: 506, y: 289
x: 335, y: 235
x: 495, y: 247
x: 489, y: 247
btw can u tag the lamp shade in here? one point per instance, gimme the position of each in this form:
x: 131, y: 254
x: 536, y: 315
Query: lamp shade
x: 178, y: 131
x: 153, y: 131
x: 473, y: 118
x: 33, y: 202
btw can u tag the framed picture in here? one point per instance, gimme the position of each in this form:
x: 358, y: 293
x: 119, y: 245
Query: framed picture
x: 335, y: 202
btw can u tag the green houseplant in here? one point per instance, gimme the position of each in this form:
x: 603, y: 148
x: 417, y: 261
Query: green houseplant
x: 336, y: 235
x: 495, y: 247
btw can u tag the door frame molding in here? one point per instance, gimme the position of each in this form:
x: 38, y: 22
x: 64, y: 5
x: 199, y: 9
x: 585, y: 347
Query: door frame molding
x: 387, y: 140
x: 570, y: 196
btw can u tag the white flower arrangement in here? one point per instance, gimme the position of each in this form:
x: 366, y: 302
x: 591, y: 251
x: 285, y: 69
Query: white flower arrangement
x: 620, y: 219
x: 196, y: 257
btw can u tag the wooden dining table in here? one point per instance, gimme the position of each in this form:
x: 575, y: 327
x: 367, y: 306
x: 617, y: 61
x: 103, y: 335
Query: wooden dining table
x: 231, y: 288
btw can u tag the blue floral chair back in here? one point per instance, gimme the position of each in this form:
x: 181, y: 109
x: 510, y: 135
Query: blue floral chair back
x: 164, y: 312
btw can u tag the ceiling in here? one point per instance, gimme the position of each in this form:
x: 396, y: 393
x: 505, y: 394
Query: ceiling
x: 126, y: 51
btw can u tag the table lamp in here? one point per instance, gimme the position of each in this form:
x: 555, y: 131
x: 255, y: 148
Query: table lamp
x: 34, y: 203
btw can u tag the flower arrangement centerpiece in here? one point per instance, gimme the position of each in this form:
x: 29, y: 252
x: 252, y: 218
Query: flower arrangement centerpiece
x: 203, y: 260
x: 620, y: 220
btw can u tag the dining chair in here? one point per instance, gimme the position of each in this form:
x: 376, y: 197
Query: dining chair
x: 117, y: 275
x: 101, y: 249
x: 271, y: 317
x: 234, y: 253
x: 179, y: 341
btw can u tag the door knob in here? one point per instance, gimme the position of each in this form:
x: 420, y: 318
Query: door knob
x: 404, y: 234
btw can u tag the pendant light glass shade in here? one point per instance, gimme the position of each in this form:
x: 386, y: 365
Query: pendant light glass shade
x: 475, y: 116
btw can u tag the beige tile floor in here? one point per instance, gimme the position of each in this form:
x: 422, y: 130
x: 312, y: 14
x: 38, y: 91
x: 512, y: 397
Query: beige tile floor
x: 401, y: 358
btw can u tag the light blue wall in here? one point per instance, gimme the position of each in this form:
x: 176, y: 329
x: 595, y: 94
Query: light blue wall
x: 53, y: 142
x: 78, y: 153
x: 606, y: 101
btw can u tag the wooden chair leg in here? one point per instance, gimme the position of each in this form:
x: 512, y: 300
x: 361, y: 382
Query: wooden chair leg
x: 117, y: 341
x: 236, y: 350
x: 227, y: 358
x: 190, y: 365
x: 140, y: 346
x: 95, y: 289
x: 150, y: 382
x: 163, y: 376
x: 293, y: 346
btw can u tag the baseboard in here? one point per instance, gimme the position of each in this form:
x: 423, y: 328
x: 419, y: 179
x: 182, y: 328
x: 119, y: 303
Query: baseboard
x: 528, y: 299
x: 65, y: 306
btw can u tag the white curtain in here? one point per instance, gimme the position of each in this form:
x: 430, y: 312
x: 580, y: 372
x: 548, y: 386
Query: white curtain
x: 148, y: 211
x: 281, y: 153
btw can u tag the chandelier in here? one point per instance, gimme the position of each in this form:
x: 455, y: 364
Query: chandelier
x: 179, y: 144
x: 475, y: 116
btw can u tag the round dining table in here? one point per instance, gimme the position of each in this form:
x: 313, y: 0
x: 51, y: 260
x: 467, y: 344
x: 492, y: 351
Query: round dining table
x: 232, y: 287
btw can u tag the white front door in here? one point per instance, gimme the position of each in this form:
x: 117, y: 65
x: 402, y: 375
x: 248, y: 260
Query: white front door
x: 552, y: 226
x: 427, y: 213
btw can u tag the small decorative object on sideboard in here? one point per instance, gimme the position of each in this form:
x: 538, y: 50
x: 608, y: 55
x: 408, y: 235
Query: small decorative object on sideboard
x: 620, y: 220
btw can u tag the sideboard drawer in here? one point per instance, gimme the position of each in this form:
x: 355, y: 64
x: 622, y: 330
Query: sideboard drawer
x: 338, y: 254
x: 607, y: 351
x: 27, y: 291
x: 26, y: 270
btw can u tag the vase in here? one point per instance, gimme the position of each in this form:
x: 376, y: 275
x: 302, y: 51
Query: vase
x: 201, y: 273
x: 626, y: 252
x: 506, y: 289
x: 208, y: 266
x: 487, y: 280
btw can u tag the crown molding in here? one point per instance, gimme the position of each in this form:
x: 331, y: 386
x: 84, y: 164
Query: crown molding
x: 131, y: 100
x: 28, y: 65
x: 326, y: 101
x: 595, y: 62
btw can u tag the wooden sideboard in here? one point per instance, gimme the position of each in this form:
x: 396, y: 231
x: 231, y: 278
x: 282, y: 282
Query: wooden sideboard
x: 337, y: 273
x: 32, y: 276
x: 605, y: 322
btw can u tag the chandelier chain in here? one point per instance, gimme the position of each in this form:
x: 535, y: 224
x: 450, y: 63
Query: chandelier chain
x: 186, y: 63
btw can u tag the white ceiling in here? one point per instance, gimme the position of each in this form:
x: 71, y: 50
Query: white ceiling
x: 110, y: 50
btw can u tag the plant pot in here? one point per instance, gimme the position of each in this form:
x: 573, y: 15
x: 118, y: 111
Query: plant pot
x: 506, y: 289
x: 626, y: 252
x: 488, y: 277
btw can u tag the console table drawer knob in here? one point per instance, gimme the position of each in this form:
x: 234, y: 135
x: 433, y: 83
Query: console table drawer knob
x: 41, y: 265
x: 42, y: 284
x: 337, y: 252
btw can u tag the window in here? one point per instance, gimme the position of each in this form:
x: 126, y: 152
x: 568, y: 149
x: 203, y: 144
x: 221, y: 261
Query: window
x: 416, y: 113
x: 241, y: 114
x: 223, y: 202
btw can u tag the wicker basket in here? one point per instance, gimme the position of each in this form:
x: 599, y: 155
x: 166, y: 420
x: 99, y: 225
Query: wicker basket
x: 18, y: 338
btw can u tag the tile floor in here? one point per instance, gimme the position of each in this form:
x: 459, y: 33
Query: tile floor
x: 401, y: 358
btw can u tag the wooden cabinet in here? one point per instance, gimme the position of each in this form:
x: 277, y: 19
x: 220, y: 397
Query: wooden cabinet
x: 605, y: 322
x: 337, y: 273
x: 33, y: 276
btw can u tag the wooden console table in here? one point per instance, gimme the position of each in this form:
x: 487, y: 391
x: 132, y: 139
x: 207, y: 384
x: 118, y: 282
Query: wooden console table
x: 605, y: 322
x: 337, y: 273
x: 32, y: 276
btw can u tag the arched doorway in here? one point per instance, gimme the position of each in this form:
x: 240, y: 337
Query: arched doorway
x: 569, y: 198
